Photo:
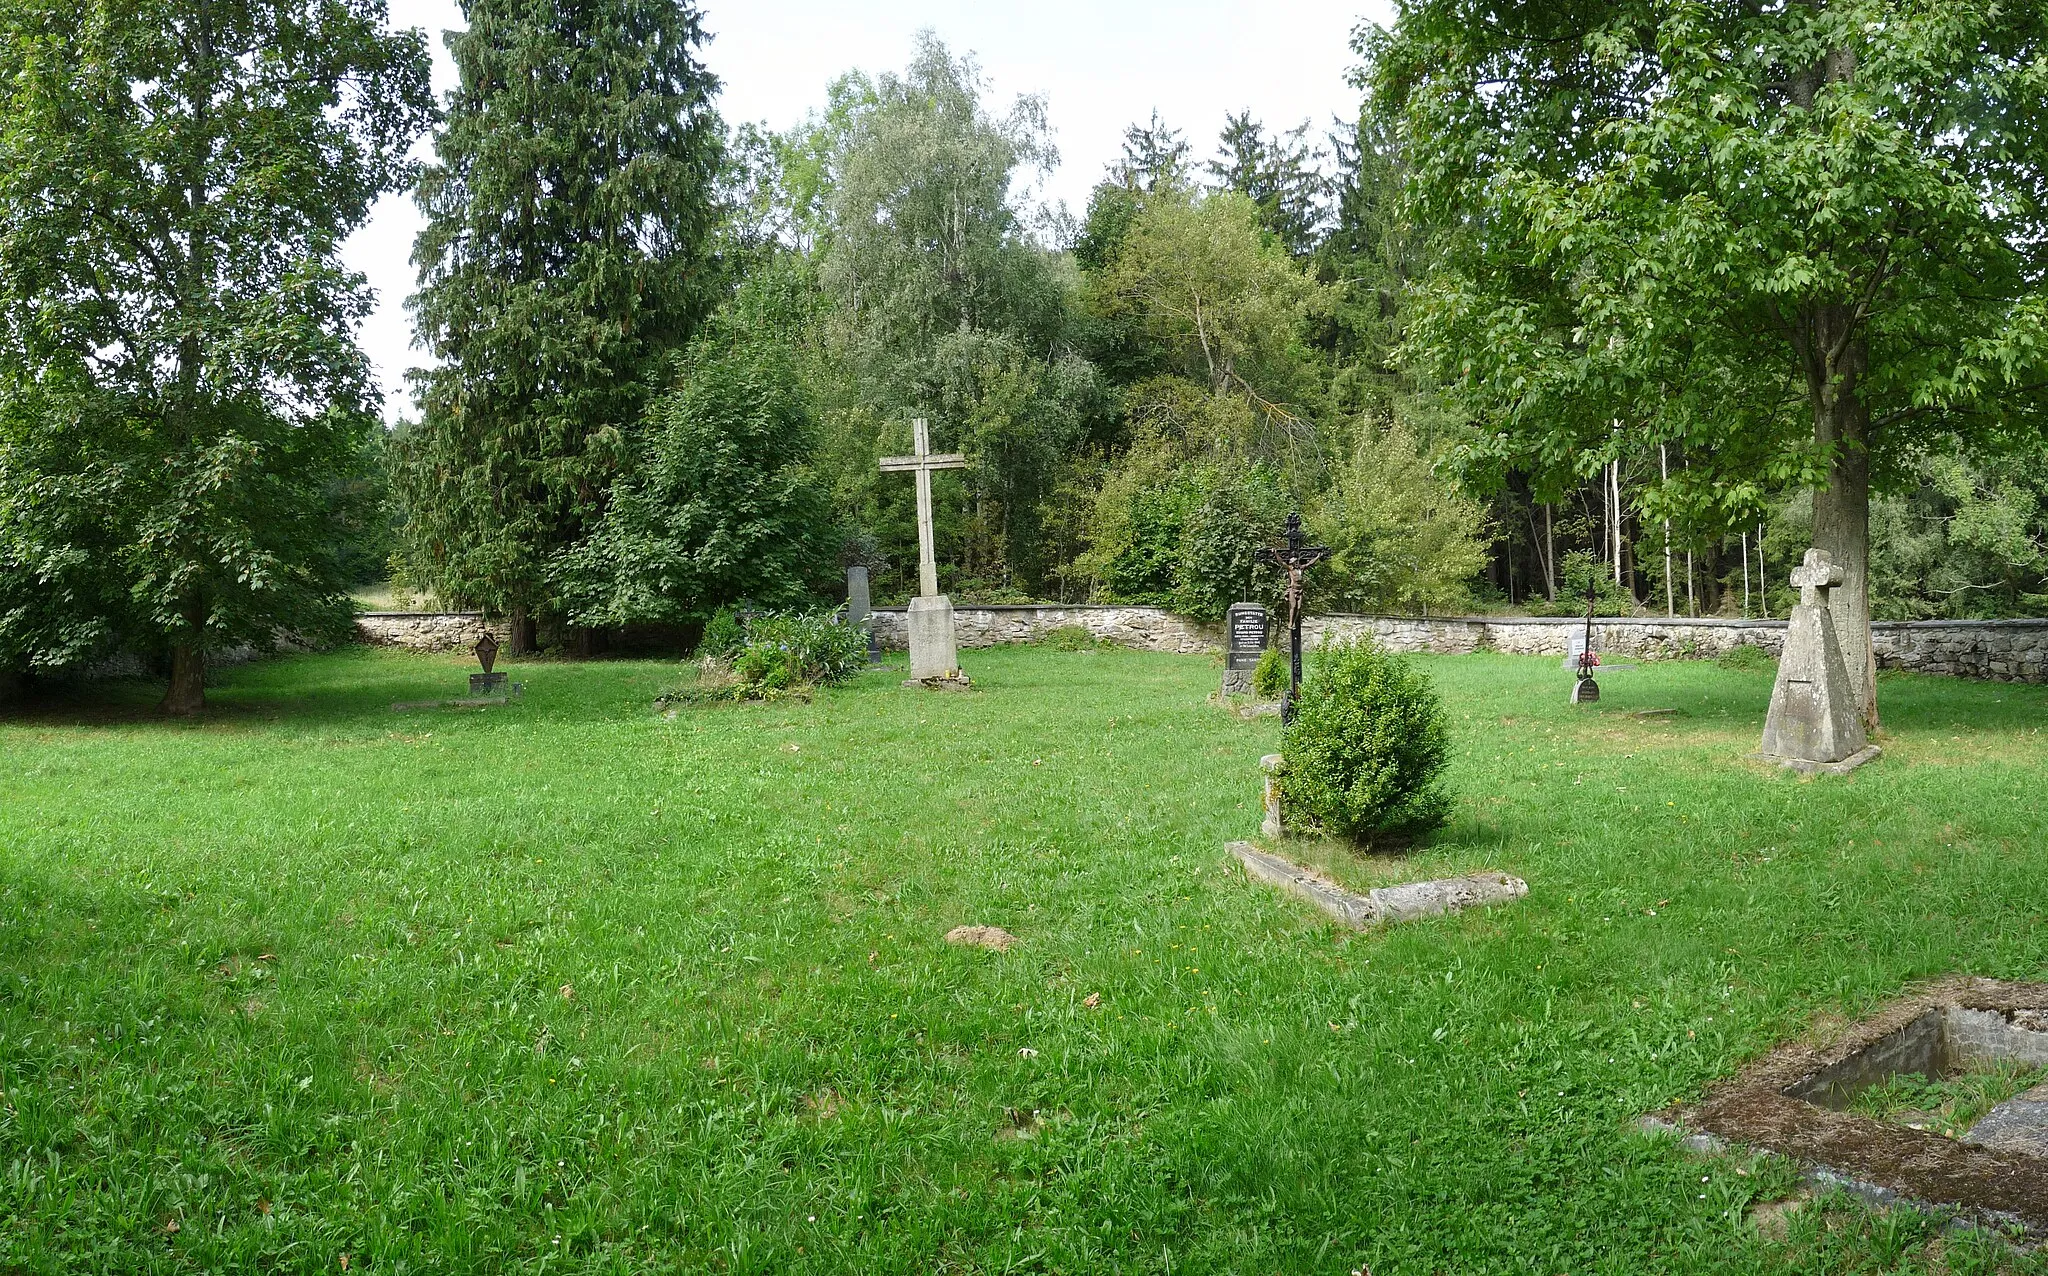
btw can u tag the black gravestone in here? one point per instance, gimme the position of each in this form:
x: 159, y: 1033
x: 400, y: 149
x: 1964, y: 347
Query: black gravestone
x: 1245, y: 628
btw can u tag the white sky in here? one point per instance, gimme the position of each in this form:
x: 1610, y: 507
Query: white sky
x: 1101, y: 65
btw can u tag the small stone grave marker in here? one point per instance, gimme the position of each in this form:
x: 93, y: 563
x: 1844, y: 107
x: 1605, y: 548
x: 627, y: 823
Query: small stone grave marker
x: 860, y: 606
x: 487, y: 683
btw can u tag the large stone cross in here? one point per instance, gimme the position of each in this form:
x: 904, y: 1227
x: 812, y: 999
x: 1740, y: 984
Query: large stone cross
x: 1815, y: 577
x: 922, y: 464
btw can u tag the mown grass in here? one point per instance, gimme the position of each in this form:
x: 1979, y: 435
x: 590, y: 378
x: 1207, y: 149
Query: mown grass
x: 570, y: 986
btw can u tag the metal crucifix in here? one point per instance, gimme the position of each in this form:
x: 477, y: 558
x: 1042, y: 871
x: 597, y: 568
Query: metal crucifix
x: 1294, y: 558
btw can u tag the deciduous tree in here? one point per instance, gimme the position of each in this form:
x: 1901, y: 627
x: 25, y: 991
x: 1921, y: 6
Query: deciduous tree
x: 179, y: 385
x: 1797, y: 241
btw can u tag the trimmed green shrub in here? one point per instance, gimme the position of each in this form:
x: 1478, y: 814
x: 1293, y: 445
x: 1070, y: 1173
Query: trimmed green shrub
x: 1367, y: 748
x: 723, y: 635
x: 1275, y: 669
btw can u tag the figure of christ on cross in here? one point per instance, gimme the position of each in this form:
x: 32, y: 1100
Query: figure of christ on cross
x: 922, y: 464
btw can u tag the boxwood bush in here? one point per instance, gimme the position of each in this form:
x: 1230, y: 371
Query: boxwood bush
x: 1366, y: 751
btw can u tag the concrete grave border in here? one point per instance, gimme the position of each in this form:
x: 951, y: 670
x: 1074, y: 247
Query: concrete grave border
x: 1382, y: 905
x: 1765, y: 1107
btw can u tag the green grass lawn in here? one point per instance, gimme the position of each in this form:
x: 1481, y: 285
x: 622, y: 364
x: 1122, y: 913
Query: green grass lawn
x: 568, y: 986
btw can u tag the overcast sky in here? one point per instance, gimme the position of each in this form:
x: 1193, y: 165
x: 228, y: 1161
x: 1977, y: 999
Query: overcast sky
x: 1101, y: 64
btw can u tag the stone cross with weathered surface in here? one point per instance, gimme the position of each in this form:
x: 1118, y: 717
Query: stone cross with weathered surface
x: 922, y: 464
x: 933, y: 651
x: 1813, y: 723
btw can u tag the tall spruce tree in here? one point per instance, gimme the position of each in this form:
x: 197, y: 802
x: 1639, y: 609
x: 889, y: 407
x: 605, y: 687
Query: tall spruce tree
x: 563, y: 263
x: 179, y: 386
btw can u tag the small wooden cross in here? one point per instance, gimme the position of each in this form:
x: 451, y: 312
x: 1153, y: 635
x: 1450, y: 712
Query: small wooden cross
x: 922, y: 464
x: 1815, y: 577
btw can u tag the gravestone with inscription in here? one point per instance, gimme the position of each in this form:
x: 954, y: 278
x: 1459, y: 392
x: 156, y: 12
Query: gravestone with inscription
x: 1814, y: 724
x: 1245, y: 625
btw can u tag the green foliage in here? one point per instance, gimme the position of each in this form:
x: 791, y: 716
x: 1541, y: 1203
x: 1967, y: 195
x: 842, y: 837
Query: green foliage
x: 1225, y: 304
x: 725, y: 505
x: 1281, y: 173
x: 1577, y: 570
x: 1188, y: 540
x: 940, y: 304
x: 1273, y: 674
x: 1402, y: 538
x: 1069, y: 638
x: 1367, y: 749
x: 791, y: 651
x: 1799, y: 242
x: 182, y: 406
x: 723, y: 637
x: 1746, y: 658
x: 562, y: 265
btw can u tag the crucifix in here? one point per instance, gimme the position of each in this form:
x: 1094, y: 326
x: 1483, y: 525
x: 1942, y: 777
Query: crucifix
x: 922, y: 464
x: 1294, y: 558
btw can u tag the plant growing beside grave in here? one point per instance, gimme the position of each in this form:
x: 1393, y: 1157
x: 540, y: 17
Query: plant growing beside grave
x: 1366, y: 751
x: 1269, y: 679
x: 772, y: 655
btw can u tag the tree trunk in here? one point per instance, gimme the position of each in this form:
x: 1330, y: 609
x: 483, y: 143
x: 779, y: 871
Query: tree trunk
x: 187, y: 693
x: 522, y: 640
x: 1841, y: 526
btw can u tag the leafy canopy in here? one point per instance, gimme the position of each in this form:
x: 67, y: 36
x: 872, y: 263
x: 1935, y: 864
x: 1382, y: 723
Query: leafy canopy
x: 181, y: 398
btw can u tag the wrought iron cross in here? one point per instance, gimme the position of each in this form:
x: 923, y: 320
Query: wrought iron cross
x: 1294, y: 558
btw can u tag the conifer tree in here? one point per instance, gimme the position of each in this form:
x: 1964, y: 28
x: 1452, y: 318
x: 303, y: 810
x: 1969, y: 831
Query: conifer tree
x: 563, y: 263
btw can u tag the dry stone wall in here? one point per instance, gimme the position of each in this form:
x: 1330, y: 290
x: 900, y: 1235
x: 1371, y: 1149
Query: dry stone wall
x: 429, y: 630
x: 2003, y: 650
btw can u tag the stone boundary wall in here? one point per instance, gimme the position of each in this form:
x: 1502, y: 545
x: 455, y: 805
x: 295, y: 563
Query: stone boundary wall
x: 429, y: 630
x: 2003, y: 650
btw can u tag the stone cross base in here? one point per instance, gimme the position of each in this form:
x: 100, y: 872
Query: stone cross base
x: 1806, y: 766
x: 932, y: 650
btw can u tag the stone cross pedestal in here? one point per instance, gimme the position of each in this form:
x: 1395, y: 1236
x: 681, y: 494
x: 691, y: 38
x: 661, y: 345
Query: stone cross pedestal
x: 1814, y: 724
x: 934, y: 655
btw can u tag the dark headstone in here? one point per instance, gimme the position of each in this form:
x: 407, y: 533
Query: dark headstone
x: 1245, y: 630
x: 487, y: 684
x: 486, y: 652
x: 858, y: 602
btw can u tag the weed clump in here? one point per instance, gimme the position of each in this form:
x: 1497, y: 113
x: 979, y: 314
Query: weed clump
x: 1366, y: 751
x: 777, y: 654
x: 1746, y: 658
x: 1069, y: 638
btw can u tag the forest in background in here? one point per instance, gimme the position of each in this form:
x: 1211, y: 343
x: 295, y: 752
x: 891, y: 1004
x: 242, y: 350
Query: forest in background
x: 1618, y: 301
x: 1145, y: 390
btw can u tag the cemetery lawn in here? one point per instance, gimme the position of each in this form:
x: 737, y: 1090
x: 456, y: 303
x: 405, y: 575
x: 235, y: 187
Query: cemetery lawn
x: 568, y: 986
